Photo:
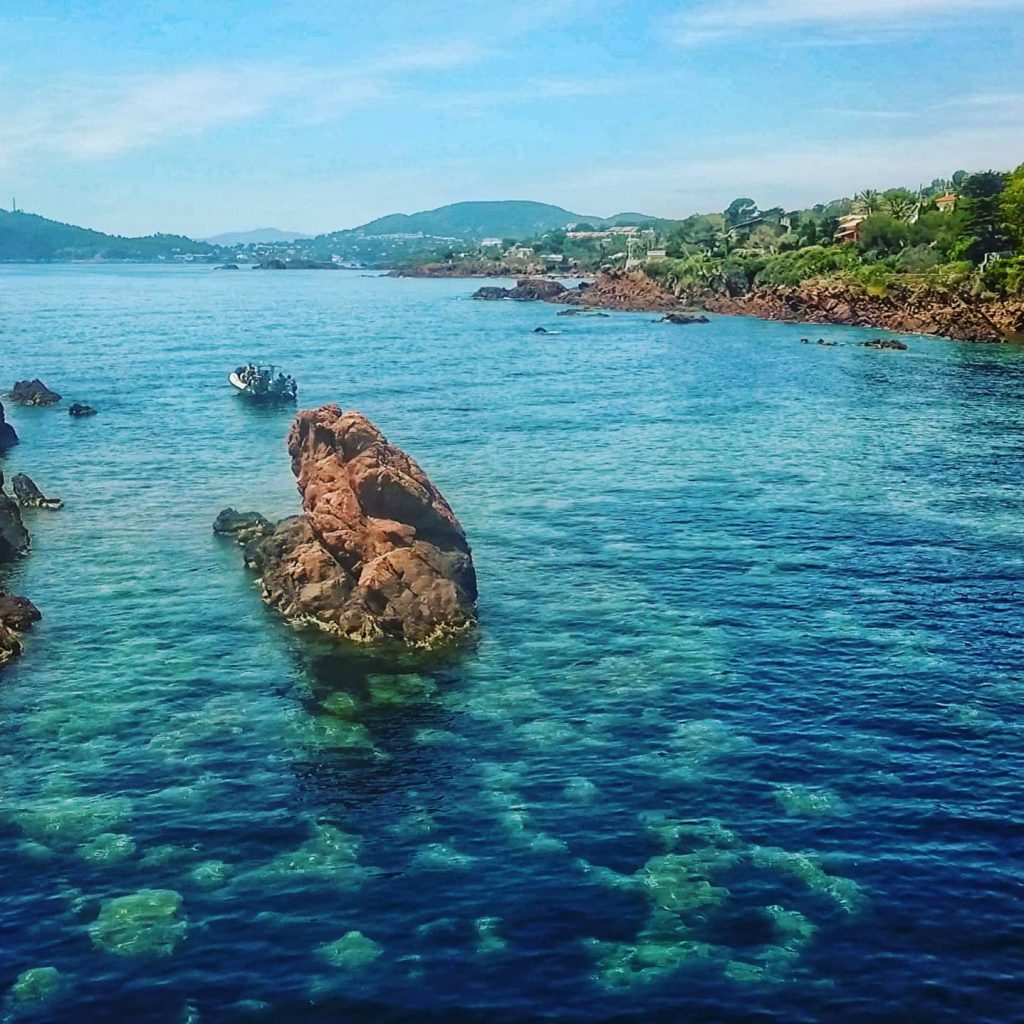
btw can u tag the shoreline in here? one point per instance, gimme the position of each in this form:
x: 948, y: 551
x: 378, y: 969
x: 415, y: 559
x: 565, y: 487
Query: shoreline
x: 931, y: 313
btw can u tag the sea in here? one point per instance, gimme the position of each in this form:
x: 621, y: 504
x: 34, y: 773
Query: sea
x: 739, y: 737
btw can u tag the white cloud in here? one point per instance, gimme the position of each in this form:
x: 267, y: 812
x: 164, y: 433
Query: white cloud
x: 720, y: 18
x: 105, y: 117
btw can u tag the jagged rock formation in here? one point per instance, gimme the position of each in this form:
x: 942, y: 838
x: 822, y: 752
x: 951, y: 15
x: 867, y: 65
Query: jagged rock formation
x: 17, y: 614
x: 377, y: 552
x: 612, y: 289
x: 77, y: 409
x: 14, y: 539
x: 33, y: 392
x: 29, y: 496
x: 8, y: 435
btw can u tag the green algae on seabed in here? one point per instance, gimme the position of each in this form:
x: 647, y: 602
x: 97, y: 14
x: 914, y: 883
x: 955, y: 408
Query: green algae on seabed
x: 442, y: 856
x: 329, y: 857
x: 488, y: 938
x: 579, y: 790
x: 210, y: 874
x: 72, y: 820
x: 844, y: 892
x: 810, y: 800
x: 144, y: 924
x: 406, y: 688
x: 33, y: 991
x: 108, y: 848
x: 352, y: 952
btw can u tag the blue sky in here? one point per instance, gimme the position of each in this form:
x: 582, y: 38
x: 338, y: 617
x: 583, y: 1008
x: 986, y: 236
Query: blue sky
x: 210, y: 115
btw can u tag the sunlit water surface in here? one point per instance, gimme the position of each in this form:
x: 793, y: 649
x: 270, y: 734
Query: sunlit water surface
x: 739, y: 739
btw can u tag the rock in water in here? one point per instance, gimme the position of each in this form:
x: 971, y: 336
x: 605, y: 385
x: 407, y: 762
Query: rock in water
x: 33, y: 392
x: 29, y: 496
x: 527, y: 289
x: 684, y: 318
x: 8, y: 437
x: 377, y: 552
x: 243, y: 526
x: 17, y: 614
x: 14, y: 540
x: 76, y: 409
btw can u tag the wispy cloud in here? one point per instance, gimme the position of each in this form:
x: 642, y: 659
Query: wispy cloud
x: 101, y: 117
x: 723, y: 18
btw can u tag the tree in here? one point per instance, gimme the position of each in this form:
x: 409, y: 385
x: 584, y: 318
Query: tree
x: 1012, y: 206
x: 740, y: 210
x: 883, y: 235
x: 900, y: 204
x: 959, y: 177
x: 984, y: 215
x: 867, y: 202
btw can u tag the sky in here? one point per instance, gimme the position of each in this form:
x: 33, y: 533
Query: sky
x: 202, y: 116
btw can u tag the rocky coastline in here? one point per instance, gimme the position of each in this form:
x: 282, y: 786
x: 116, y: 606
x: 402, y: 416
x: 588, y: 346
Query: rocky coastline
x: 942, y: 312
x: 376, y: 554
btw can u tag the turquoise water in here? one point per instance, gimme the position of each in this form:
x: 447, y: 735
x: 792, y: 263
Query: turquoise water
x: 739, y: 739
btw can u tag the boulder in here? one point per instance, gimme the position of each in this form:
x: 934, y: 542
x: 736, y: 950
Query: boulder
x: 527, y: 289
x: 684, y: 318
x: 33, y: 392
x: 886, y: 343
x: 8, y: 436
x: 76, y: 409
x: 14, y: 539
x: 29, y: 496
x: 17, y: 614
x: 243, y: 526
x: 377, y: 552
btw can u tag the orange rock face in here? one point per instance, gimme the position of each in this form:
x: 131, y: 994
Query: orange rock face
x: 377, y: 552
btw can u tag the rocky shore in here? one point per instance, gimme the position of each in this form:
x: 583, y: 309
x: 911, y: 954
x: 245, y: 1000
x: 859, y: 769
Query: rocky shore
x: 944, y: 312
x: 17, y: 614
x: 377, y: 552
x: 464, y: 268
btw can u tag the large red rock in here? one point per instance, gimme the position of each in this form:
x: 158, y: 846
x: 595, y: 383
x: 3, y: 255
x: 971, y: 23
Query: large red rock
x: 377, y: 552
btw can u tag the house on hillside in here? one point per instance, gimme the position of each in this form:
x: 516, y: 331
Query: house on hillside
x: 520, y: 252
x: 849, y: 228
x: 947, y: 203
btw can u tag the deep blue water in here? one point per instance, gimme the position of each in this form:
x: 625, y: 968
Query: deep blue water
x: 739, y: 740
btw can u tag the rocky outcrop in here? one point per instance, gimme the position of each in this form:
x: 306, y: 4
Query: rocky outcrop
x: 243, y: 526
x: 76, y: 409
x: 33, y: 392
x: 276, y: 264
x: 948, y: 312
x: 377, y: 552
x: 623, y: 290
x: 29, y: 496
x: 465, y: 268
x: 8, y: 435
x: 886, y: 343
x: 684, y: 318
x: 17, y: 614
x: 14, y: 539
x: 527, y: 289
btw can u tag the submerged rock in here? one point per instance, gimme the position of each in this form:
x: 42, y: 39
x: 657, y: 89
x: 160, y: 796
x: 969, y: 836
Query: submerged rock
x: 29, y: 496
x: 33, y: 990
x: 377, y: 552
x: 8, y: 435
x: 77, y: 409
x: 33, y: 392
x: 352, y: 952
x: 143, y: 924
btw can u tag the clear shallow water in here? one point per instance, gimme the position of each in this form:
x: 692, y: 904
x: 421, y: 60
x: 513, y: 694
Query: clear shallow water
x: 740, y: 738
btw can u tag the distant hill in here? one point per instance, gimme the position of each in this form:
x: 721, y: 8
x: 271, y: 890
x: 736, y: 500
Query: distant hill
x: 26, y: 236
x: 508, y: 218
x: 258, y: 236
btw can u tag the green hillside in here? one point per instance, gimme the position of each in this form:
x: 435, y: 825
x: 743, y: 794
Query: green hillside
x: 26, y: 236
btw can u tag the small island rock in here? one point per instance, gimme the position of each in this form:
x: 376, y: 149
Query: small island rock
x: 77, y: 409
x: 684, y: 318
x: 29, y: 495
x: 377, y: 552
x: 33, y: 392
x: 243, y: 526
x: 886, y: 343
